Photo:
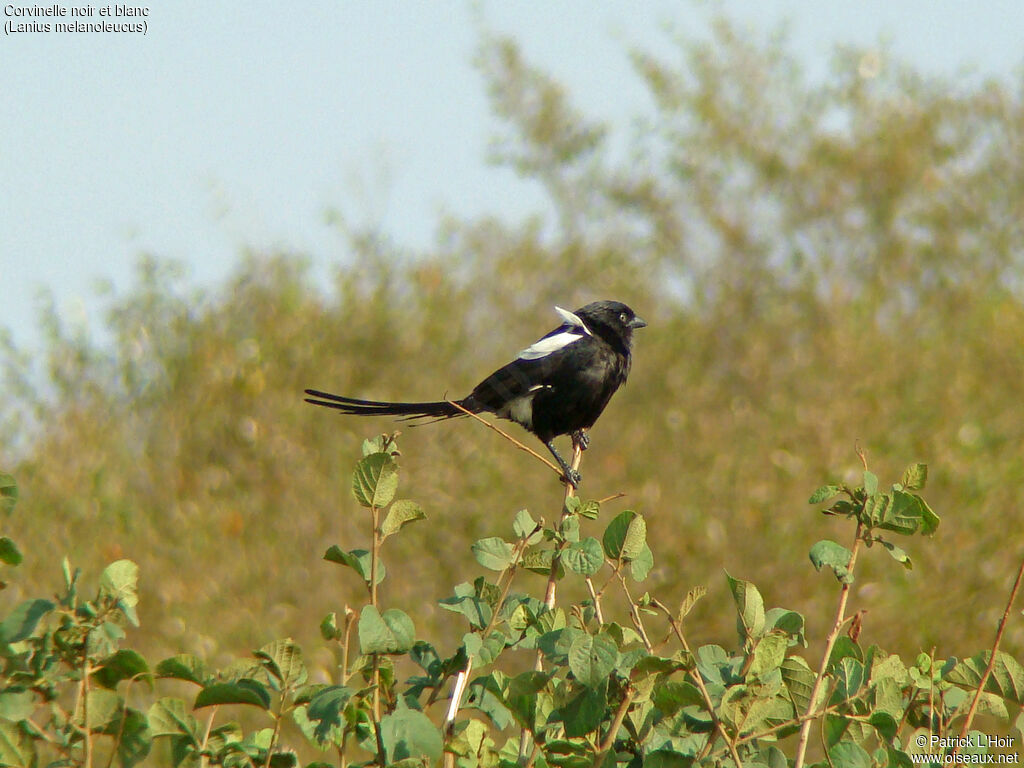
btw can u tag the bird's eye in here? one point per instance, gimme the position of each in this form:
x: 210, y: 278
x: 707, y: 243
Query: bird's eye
x: 623, y: 318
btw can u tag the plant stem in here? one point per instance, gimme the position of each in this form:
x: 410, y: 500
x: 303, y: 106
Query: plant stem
x: 549, y: 592
x: 613, y: 729
x: 677, y: 629
x: 992, y: 660
x: 205, y: 760
x: 830, y: 641
x: 597, y: 600
x: 86, y: 671
x: 374, y: 554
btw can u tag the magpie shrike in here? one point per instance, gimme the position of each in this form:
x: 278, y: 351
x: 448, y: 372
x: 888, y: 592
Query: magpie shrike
x: 557, y: 386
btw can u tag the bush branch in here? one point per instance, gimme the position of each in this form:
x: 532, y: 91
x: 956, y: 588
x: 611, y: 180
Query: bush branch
x: 992, y: 661
x: 830, y: 641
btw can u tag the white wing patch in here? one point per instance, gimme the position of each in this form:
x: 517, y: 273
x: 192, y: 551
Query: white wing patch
x: 550, y: 344
x: 573, y: 320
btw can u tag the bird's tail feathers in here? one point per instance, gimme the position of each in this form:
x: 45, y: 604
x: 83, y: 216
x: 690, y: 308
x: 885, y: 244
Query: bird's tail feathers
x: 441, y: 409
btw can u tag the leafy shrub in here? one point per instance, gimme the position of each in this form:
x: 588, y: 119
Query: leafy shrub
x: 531, y: 682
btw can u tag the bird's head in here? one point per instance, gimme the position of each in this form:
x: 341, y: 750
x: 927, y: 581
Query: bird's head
x: 613, y: 321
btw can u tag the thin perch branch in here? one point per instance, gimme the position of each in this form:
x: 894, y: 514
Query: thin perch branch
x: 507, y: 436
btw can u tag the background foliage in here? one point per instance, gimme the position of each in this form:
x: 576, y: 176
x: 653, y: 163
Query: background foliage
x: 820, y: 264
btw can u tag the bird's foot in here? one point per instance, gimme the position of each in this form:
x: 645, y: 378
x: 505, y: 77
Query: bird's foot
x: 580, y: 438
x: 572, y: 477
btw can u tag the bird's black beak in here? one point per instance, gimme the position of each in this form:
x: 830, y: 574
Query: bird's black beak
x: 637, y: 322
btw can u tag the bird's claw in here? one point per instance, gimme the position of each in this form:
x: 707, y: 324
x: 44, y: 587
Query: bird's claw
x: 572, y: 477
x: 581, y: 438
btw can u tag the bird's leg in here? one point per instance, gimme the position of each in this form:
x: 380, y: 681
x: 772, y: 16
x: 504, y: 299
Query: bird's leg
x: 580, y: 438
x: 571, y: 475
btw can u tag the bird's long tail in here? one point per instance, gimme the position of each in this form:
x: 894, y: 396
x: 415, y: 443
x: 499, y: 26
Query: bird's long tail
x: 350, y: 405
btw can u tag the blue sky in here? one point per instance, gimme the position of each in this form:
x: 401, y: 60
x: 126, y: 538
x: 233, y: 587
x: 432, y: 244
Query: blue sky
x: 238, y: 124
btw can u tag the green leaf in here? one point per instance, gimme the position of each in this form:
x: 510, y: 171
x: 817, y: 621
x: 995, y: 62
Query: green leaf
x: 135, y: 739
x: 123, y: 665
x: 670, y: 696
x: 870, y: 483
x: 668, y: 758
x: 844, y: 647
x: 834, y: 556
x: 584, y: 557
x: 592, y: 658
x: 21, y: 622
x: 329, y: 629
x: 8, y: 494
x: 407, y: 733
x: 9, y: 552
x: 525, y: 527
x: 849, y: 675
x: 768, y: 654
x: 789, y: 622
x: 326, y: 709
x: 585, y: 712
x: 283, y: 660
x: 590, y: 509
x: 244, y: 691
x: 103, y: 707
x: 824, y: 493
x: 119, y: 582
x: 654, y: 665
x: 749, y: 607
x: 359, y: 560
x: 1006, y: 680
x: 641, y: 565
x: 375, y: 480
x: 17, y: 748
x: 898, y: 554
x: 380, y: 444
x: 472, y: 740
x: 400, y: 514
x: 493, y: 553
x: 849, y: 754
x: 184, y: 666
x: 691, y: 599
x: 470, y: 604
x: 915, y: 476
x: 799, y: 679
x: 16, y: 704
x: 168, y: 717
x: 885, y: 724
x: 908, y: 513
x: 390, y: 632
x: 625, y: 536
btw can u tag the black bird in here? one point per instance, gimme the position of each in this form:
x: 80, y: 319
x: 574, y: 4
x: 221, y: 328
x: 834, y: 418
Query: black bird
x: 557, y: 386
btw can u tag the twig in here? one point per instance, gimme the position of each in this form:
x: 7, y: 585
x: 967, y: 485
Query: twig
x: 549, y: 592
x: 507, y: 436
x: 597, y: 600
x: 86, y: 671
x: 609, y: 739
x: 677, y: 629
x: 462, y: 679
x: 634, y: 613
x: 992, y: 661
x: 830, y: 641
x: 205, y: 760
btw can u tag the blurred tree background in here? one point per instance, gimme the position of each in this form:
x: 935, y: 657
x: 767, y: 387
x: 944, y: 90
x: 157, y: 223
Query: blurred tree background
x: 821, y: 265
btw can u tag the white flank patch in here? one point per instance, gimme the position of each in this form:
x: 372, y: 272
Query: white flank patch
x: 573, y: 319
x: 520, y: 410
x: 550, y: 344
